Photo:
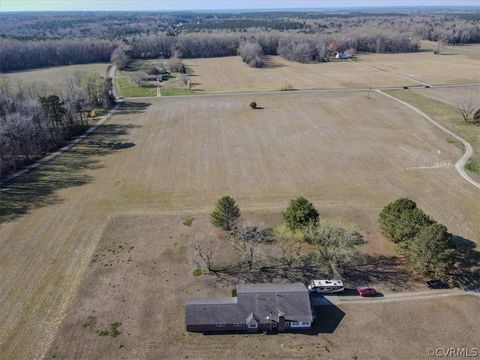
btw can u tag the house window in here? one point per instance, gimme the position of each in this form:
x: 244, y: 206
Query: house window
x: 252, y: 326
x: 274, y: 324
x: 237, y: 325
x: 220, y: 325
x: 300, y: 324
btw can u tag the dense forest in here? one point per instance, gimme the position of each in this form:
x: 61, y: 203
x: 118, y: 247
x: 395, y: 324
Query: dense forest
x: 35, y: 40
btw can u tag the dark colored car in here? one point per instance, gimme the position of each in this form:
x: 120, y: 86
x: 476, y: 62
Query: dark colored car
x: 367, y: 292
x: 436, y: 284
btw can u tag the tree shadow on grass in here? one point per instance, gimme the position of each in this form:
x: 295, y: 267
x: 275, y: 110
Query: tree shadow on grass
x: 38, y: 187
x: 363, y: 271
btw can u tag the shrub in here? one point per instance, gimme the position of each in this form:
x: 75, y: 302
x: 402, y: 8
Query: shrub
x: 401, y: 220
x: 253, y: 105
x: 473, y: 166
x: 197, y: 272
x: 300, y: 213
x: 188, y: 221
x: 234, y: 292
x: 432, y: 251
x: 226, y: 213
x: 153, y: 70
x: 476, y: 116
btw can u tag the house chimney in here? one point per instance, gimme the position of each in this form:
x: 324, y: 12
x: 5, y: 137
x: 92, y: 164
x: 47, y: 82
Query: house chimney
x: 281, y: 322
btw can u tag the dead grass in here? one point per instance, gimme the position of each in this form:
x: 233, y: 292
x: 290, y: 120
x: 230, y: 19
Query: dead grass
x: 151, y: 313
x: 441, y: 105
x: 231, y: 74
x: 427, y: 67
x: 182, y: 155
x: 55, y: 77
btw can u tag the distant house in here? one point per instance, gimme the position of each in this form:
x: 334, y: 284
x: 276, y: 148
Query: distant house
x: 257, y: 307
x: 160, y: 77
x: 343, y: 55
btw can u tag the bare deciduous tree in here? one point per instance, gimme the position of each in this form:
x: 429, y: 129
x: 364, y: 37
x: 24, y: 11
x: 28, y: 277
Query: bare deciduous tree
x: 206, y: 251
x: 466, y: 108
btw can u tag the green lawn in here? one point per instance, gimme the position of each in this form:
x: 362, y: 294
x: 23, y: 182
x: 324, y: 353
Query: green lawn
x: 175, y: 91
x: 126, y: 87
x: 447, y: 115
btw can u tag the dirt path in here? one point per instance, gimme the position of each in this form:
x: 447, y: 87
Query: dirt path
x: 403, y: 296
x: 459, y: 165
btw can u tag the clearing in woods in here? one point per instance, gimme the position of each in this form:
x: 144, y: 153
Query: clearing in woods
x: 179, y: 155
x: 54, y: 78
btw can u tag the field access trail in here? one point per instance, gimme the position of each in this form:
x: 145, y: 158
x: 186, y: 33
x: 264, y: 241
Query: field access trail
x: 460, y: 164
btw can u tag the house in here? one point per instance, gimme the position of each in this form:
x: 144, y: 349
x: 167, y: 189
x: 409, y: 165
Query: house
x: 159, y: 77
x: 343, y: 55
x: 257, y: 307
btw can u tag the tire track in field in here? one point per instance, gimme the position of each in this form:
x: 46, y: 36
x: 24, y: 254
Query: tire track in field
x: 460, y: 164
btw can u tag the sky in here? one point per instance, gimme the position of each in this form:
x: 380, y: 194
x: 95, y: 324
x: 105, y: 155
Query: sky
x: 143, y: 5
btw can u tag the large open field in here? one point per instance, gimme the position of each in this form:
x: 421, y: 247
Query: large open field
x: 348, y: 153
x: 442, y: 104
x: 370, y: 70
x: 55, y: 77
x: 427, y: 67
x: 231, y: 74
x: 154, y: 254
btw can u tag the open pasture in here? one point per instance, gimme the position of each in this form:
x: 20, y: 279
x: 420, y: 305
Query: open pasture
x: 427, y: 67
x: 154, y: 253
x: 229, y: 74
x: 348, y: 153
x: 55, y: 78
x: 470, y: 50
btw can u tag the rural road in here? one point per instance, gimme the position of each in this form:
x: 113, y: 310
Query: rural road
x: 460, y: 164
x: 303, y: 91
x: 111, y: 75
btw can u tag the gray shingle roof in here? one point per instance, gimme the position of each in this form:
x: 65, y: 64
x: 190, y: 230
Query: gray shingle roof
x: 263, y: 300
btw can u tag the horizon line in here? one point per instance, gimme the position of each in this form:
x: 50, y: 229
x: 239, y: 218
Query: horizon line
x: 254, y: 9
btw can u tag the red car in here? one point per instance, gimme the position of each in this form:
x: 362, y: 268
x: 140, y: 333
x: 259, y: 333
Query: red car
x: 367, y: 292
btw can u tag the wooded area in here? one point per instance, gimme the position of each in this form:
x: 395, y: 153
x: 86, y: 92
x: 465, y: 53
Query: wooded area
x: 33, y: 123
x: 30, y: 41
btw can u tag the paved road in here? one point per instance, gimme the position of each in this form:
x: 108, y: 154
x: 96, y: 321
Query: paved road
x: 459, y: 165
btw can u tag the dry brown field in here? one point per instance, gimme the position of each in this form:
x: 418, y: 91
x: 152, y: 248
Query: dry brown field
x: 55, y: 77
x: 228, y: 74
x: 472, y: 50
x: 141, y: 276
x: 453, y: 96
x: 427, y: 67
x: 347, y: 153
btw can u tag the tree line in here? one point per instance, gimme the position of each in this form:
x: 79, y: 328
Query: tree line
x: 18, y: 55
x: 34, y: 122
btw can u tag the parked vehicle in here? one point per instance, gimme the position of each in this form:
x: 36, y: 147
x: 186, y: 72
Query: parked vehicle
x: 436, y: 284
x: 326, y: 286
x: 367, y: 292
x: 120, y: 99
